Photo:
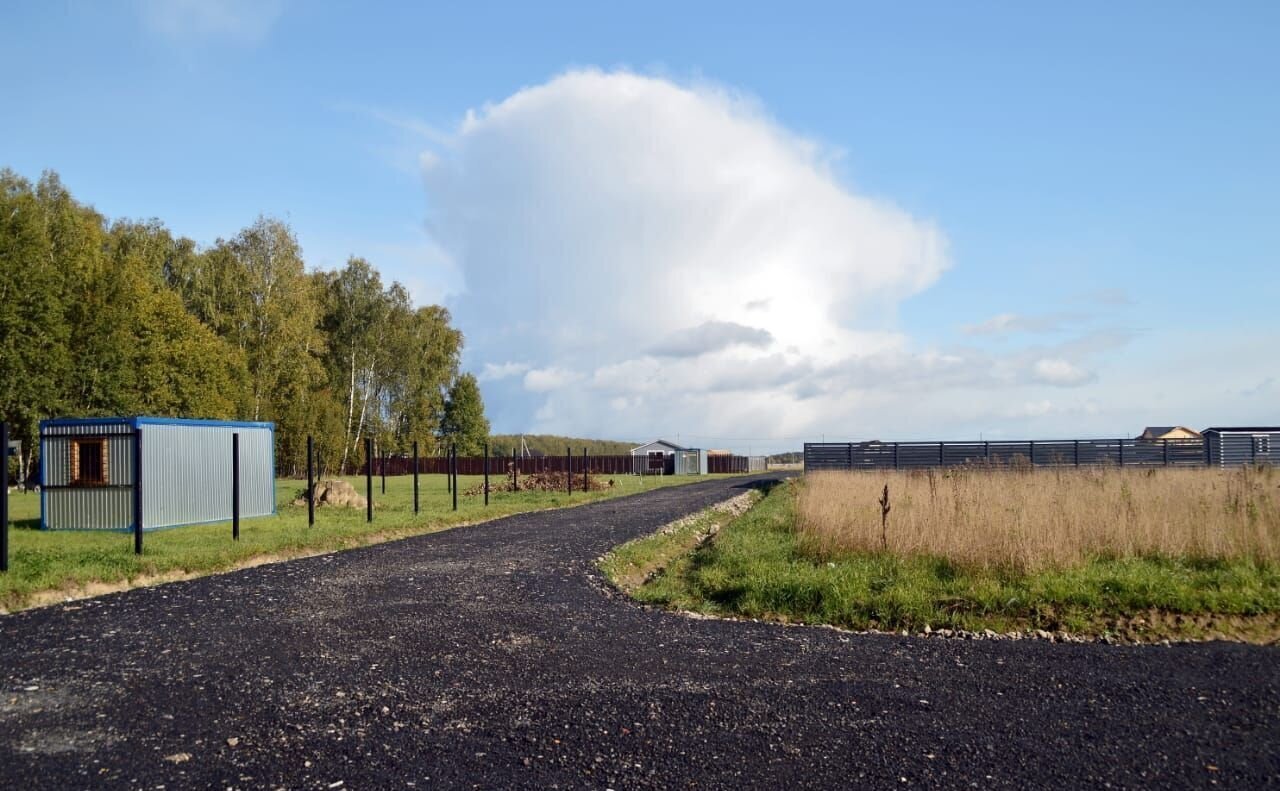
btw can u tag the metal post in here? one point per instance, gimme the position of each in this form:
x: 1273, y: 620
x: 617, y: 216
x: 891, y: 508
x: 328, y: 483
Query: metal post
x: 1077, y: 444
x: 568, y: 467
x: 448, y: 471
x: 1121, y: 441
x: 311, y: 483
x: 895, y: 455
x: 486, y: 473
x: 4, y: 496
x: 137, y: 490
x: 415, y: 476
x: 1031, y: 451
x: 368, y: 479
x: 515, y: 471
x: 453, y: 454
x: 1166, y: 451
x: 585, y: 482
x: 235, y: 486
x: 942, y: 460
x: 384, y: 472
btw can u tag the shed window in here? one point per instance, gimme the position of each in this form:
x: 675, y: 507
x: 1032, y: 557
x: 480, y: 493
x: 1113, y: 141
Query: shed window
x: 89, y: 462
x: 1262, y: 445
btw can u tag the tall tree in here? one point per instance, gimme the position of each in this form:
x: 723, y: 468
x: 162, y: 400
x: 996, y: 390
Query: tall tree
x: 464, y: 423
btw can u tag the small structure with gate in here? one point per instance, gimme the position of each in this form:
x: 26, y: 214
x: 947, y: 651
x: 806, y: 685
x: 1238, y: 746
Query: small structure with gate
x: 1230, y: 446
x: 661, y: 457
x: 92, y: 479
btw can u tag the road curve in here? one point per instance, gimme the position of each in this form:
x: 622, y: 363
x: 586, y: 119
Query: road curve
x: 491, y: 657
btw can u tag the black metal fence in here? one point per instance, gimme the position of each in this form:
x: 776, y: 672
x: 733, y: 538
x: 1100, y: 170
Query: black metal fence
x: 1038, y: 453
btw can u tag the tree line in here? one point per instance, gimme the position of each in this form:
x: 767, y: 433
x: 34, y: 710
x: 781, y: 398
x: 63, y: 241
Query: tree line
x: 119, y: 317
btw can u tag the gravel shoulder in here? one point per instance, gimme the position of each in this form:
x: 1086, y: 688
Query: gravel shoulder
x: 489, y: 656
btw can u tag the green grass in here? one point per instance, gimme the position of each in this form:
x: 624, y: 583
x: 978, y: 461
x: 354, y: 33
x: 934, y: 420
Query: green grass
x: 756, y: 568
x: 43, y: 565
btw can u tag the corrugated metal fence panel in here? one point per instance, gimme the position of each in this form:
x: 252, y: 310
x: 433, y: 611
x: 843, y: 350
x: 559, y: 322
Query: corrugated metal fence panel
x: 1041, y: 453
x: 187, y: 474
x: 89, y: 507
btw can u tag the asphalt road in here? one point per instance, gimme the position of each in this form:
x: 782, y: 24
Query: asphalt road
x: 492, y: 657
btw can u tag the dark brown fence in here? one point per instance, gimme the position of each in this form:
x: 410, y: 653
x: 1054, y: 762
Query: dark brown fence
x: 474, y: 465
x: 1039, y: 453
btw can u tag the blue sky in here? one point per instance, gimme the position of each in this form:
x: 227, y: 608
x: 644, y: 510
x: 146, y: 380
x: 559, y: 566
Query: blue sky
x: 1102, y: 180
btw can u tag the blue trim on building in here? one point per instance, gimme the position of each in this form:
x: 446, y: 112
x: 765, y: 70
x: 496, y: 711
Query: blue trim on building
x: 143, y: 420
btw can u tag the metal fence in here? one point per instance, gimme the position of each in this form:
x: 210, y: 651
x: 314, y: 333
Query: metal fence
x: 596, y: 465
x: 1039, y: 453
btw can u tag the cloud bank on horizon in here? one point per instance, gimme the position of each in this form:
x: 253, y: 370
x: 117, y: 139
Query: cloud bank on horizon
x: 643, y: 258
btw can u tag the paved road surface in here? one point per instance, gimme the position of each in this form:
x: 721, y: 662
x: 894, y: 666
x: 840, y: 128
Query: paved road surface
x: 490, y: 657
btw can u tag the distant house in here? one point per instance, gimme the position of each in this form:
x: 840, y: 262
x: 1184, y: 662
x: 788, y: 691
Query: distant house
x: 661, y: 457
x: 1235, y: 445
x: 1168, y: 432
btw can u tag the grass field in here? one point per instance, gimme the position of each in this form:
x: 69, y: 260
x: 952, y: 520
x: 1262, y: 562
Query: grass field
x: 769, y: 564
x: 48, y: 566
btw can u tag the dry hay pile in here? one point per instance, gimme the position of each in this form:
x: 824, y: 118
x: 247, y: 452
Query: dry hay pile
x: 338, y: 493
x: 542, y: 482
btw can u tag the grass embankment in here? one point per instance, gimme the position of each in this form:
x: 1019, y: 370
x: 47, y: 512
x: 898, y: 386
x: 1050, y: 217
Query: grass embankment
x: 48, y: 566
x: 811, y: 552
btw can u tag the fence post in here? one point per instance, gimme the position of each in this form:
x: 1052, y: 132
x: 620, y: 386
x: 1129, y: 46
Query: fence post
x: 448, y: 471
x: 1166, y: 451
x: 453, y: 454
x: 384, y: 471
x: 235, y: 486
x: 515, y: 471
x: 568, y: 468
x: 486, y: 473
x: 942, y: 461
x: 986, y: 451
x: 585, y: 483
x: 1031, y: 451
x: 1077, y: 450
x: 848, y: 456
x: 137, y: 488
x: 1121, y: 441
x: 368, y: 479
x: 311, y: 482
x: 4, y: 496
x: 895, y: 455
x: 1204, y: 440
x: 415, y: 476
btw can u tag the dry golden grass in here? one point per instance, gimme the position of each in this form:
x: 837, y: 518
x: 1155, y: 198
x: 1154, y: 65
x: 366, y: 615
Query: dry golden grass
x: 1046, y: 518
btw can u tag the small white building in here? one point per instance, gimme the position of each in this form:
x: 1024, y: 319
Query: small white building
x: 661, y: 457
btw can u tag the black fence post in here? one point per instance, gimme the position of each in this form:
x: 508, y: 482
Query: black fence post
x: 568, y: 468
x: 585, y: 483
x: 1031, y: 451
x: 415, y: 476
x: 1208, y: 461
x: 1121, y: 441
x: 137, y: 489
x: 1077, y: 448
x: 311, y: 483
x: 384, y: 472
x: 1166, y: 451
x: 368, y: 479
x: 895, y: 455
x: 486, y: 473
x: 448, y: 471
x: 453, y: 454
x: 4, y: 496
x: 942, y: 460
x: 235, y: 486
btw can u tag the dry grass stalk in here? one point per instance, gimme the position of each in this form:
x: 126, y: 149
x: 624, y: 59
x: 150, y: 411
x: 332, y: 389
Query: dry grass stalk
x: 1038, y: 518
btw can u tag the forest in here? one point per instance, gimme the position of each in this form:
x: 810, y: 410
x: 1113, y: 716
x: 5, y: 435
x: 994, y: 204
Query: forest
x: 103, y: 317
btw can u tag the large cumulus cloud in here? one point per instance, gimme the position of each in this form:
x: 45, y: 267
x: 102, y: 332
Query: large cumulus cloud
x: 656, y: 257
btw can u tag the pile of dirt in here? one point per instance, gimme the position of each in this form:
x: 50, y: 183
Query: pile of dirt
x: 542, y: 482
x: 337, y: 493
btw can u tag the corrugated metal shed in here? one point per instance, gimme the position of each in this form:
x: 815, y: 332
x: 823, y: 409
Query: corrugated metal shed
x: 1231, y: 446
x: 88, y: 472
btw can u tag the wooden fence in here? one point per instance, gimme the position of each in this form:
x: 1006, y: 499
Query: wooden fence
x: 596, y: 465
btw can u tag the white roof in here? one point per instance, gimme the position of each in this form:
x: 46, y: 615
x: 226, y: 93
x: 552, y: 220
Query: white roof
x: 656, y: 443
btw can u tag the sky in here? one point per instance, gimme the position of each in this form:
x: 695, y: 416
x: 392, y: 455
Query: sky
x: 728, y: 225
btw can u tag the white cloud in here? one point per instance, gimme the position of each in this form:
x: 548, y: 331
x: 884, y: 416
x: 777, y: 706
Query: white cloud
x: 1059, y: 372
x: 246, y: 21
x: 603, y: 218
x: 1010, y: 323
x: 495, y: 371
